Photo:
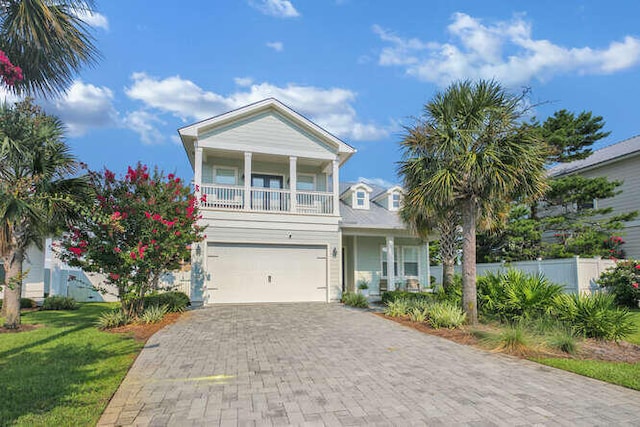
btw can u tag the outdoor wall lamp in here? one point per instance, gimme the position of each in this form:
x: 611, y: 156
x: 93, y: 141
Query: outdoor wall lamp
x: 334, y: 252
x: 198, y: 250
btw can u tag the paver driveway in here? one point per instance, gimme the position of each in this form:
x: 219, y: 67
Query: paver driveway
x: 323, y: 364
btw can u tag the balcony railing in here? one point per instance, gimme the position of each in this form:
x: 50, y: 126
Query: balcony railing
x: 229, y: 197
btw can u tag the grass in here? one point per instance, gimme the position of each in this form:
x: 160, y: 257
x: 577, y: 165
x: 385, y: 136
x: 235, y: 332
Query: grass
x: 63, y: 373
x: 635, y: 337
x: 624, y: 374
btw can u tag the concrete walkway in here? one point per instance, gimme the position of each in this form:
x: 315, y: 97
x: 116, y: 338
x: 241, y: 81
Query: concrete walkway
x: 320, y: 364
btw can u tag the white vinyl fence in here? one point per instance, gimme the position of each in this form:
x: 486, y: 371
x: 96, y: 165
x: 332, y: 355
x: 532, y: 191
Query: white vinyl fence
x: 575, y: 274
x: 83, y: 287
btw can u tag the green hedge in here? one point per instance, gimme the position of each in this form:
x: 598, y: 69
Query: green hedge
x: 174, y: 301
x: 391, y: 296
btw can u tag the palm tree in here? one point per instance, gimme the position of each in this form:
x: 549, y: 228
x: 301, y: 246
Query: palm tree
x: 48, y: 40
x: 473, y: 155
x: 423, y: 220
x: 38, y: 191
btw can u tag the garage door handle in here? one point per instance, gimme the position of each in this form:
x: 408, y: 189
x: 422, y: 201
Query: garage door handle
x: 269, y: 279
x: 212, y: 289
x: 321, y: 287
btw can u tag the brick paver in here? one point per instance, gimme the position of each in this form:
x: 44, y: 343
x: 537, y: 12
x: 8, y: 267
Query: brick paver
x: 327, y: 365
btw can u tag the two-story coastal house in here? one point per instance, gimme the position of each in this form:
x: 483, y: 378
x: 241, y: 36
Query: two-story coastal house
x: 280, y: 226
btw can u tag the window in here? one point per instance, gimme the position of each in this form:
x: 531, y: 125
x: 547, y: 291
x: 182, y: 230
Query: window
x: 225, y: 176
x: 306, y: 183
x: 395, y: 201
x: 384, y: 261
x: 360, y: 198
x: 410, y: 261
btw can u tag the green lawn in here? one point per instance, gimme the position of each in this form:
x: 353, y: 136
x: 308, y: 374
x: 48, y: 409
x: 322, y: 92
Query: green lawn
x: 63, y: 373
x: 624, y: 374
x: 635, y: 337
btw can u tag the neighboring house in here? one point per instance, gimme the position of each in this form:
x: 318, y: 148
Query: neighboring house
x: 620, y: 162
x: 33, y: 284
x: 280, y: 227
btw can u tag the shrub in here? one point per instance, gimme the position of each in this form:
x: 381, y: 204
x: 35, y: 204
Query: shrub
x: 58, y: 302
x: 355, y: 300
x: 512, y: 339
x: 452, y: 293
x: 594, y: 316
x: 563, y: 340
x: 175, y: 302
x: 153, y: 314
x: 514, y: 295
x: 397, y: 308
x: 112, y: 319
x: 417, y: 314
x: 390, y: 296
x: 623, y: 281
x: 446, y: 315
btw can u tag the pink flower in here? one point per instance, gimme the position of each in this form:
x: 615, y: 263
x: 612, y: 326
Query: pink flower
x: 156, y: 217
x: 116, y: 216
x: 117, y: 250
x: 75, y: 251
x: 132, y: 254
x: 638, y: 267
x: 203, y: 199
x: 147, y: 214
x: 109, y: 176
x: 114, y: 276
x: 177, y: 233
x: 170, y: 177
x: 635, y: 285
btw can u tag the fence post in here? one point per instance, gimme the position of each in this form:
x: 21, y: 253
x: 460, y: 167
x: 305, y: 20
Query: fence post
x: 577, y: 259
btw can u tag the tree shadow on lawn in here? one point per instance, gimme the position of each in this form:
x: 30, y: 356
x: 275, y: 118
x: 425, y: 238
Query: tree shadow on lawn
x: 66, y: 382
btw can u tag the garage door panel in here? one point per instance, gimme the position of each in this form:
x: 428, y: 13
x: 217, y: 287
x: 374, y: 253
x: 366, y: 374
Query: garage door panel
x: 266, y: 273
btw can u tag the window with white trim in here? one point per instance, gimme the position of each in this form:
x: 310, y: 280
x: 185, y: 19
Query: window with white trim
x: 383, y: 258
x: 306, y: 182
x: 395, y: 201
x: 361, y: 197
x: 225, y: 176
x: 410, y: 255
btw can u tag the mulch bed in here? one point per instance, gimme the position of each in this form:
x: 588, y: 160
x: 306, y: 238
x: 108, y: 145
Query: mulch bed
x: 589, y: 349
x: 142, y: 332
x: 22, y: 328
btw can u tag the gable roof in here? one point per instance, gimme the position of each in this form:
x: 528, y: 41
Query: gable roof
x: 626, y: 148
x: 188, y: 134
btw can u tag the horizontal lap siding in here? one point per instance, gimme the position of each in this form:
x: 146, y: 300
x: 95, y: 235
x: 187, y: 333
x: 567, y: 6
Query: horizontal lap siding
x: 268, y: 133
x: 628, y: 171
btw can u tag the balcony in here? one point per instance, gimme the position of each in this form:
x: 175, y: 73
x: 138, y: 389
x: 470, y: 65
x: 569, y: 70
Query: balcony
x: 230, y: 197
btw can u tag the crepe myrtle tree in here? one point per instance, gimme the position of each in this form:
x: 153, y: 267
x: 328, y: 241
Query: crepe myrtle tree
x: 143, y: 227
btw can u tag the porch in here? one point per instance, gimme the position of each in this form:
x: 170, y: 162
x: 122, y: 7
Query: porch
x: 268, y: 183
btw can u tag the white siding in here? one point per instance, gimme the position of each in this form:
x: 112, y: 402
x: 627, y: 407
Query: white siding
x: 628, y: 171
x: 268, y: 133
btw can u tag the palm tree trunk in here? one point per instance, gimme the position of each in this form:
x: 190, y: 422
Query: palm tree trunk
x: 469, y: 292
x: 13, y: 275
x: 448, y: 272
x: 447, y: 230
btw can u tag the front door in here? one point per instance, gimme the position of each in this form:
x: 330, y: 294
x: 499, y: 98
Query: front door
x: 269, y: 199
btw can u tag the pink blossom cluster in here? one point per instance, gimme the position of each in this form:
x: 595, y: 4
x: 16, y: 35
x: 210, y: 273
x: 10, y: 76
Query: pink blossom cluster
x: 10, y: 74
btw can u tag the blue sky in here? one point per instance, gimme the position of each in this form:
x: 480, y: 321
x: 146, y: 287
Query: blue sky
x: 359, y: 68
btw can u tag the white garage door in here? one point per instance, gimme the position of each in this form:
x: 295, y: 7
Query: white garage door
x: 241, y: 273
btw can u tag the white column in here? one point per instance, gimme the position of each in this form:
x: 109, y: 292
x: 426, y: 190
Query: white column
x: 428, y: 266
x: 336, y: 187
x: 197, y: 169
x: 391, y: 273
x: 247, y: 181
x: 293, y: 183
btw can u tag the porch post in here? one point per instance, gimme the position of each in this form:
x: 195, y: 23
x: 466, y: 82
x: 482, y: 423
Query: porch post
x: 293, y: 183
x: 197, y: 169
x: 336, y: 188
x: 428, y: 267
x: 247, y: 181
x: 391, y: 273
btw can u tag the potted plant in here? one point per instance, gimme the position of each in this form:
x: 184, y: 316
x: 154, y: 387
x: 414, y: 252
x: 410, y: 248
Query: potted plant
x: 363, y: 287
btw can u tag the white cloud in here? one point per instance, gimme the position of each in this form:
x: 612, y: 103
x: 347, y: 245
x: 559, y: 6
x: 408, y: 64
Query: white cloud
x: 506, y: 51
x: 277, y: 8
x: 377, y: 181
x: 93, y: 19
x: 277, y: 46
x: 144, y: 123
x: 243, y: 81
x: 84, y: 106
x: 330, y: 108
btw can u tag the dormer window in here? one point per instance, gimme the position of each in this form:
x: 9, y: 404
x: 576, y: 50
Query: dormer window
x: 395, y: 201
x: 361, y: 197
